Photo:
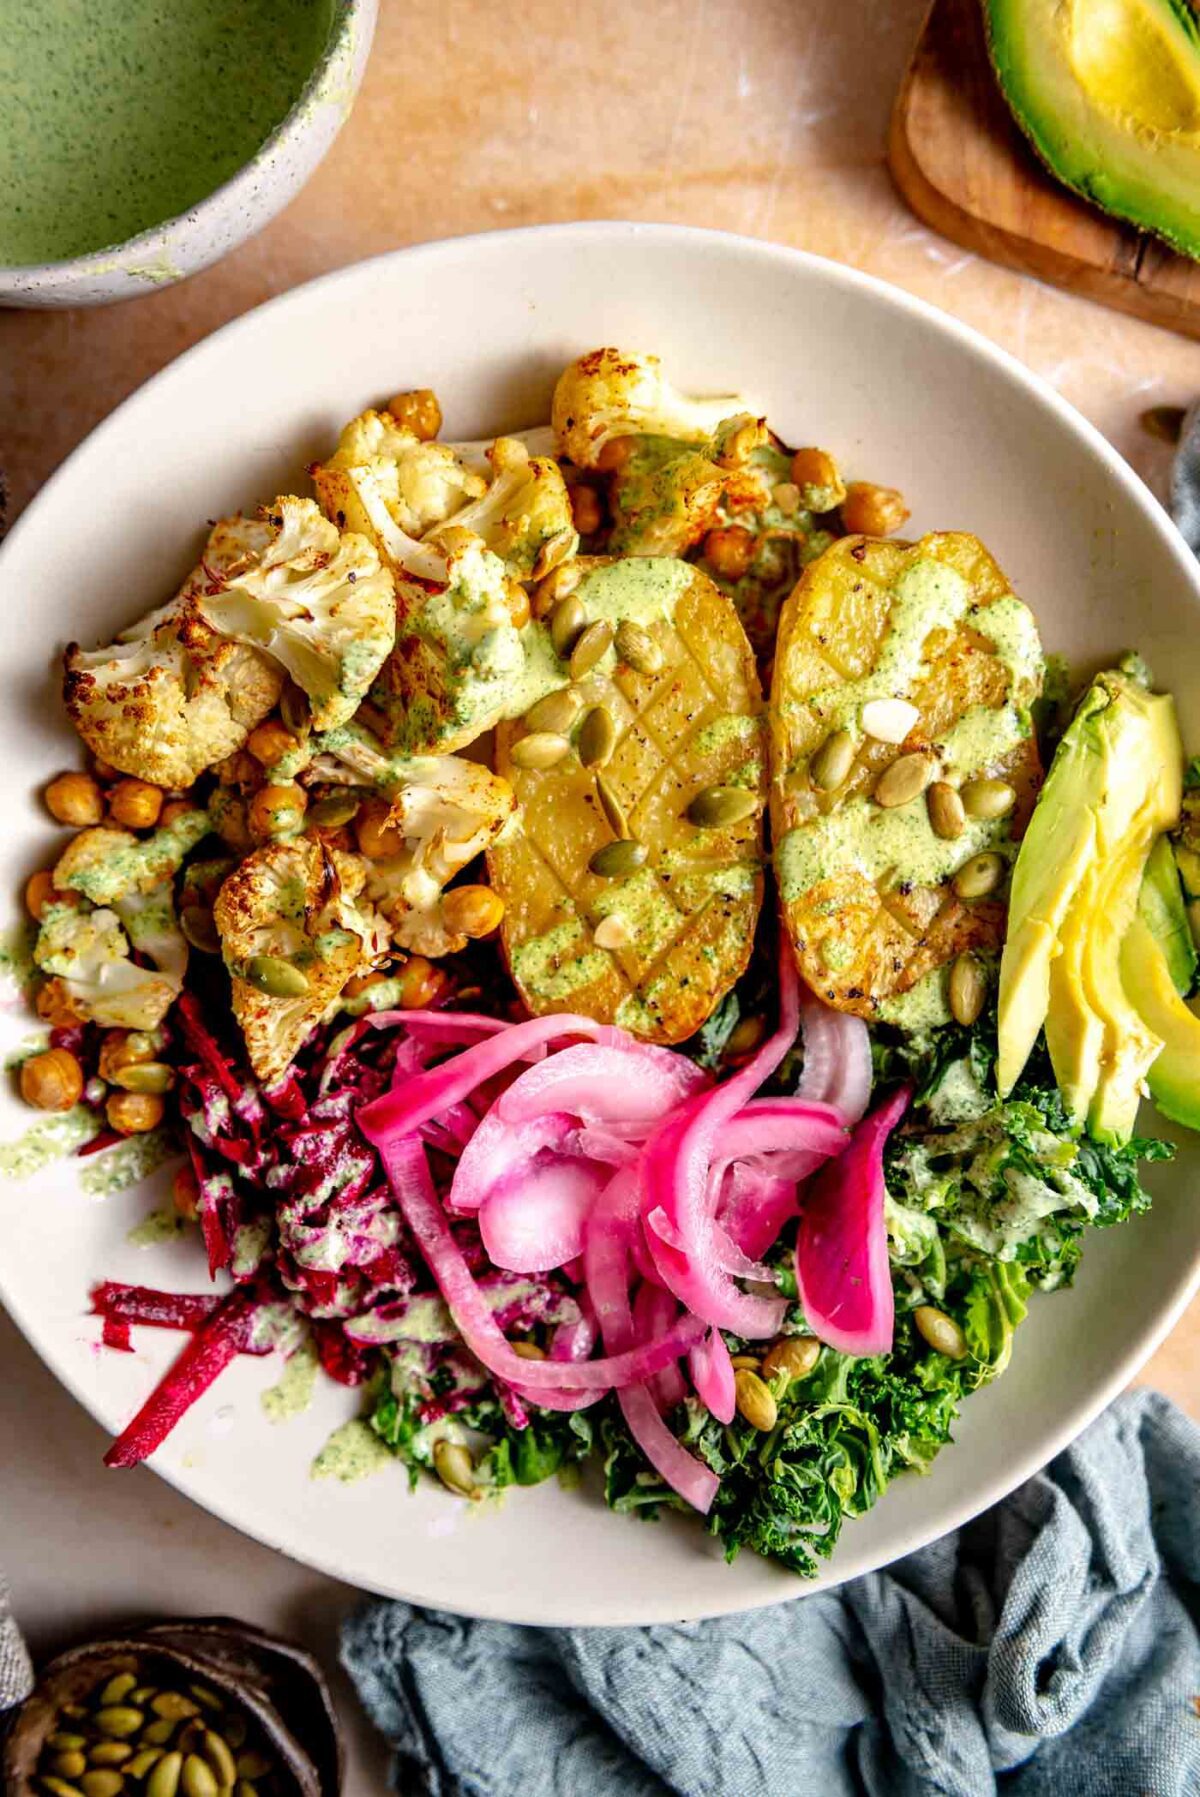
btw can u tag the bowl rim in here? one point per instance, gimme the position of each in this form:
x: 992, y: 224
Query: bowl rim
x: 1026, y: 1460
x: 130, y: 253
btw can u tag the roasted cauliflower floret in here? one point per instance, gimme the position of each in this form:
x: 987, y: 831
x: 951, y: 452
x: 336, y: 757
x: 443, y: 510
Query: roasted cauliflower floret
x: 106, y: 864
x: 292, y: 933
x: 466, y: 653
x: 619, y: 393
x: 419, y: 483
x: 89, y: 951
x: 664, y: 495
x: 448, y: 811
x: 525, y: 515
x: 171, y: 696
x: 319, y: 603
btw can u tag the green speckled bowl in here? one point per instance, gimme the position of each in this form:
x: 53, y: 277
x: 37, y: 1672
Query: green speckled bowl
x: 235, y: 210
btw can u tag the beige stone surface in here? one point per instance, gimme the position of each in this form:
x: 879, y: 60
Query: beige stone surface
x: 766, y: 117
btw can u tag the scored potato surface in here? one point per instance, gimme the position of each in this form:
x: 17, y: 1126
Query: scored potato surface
x: 690, y: 912
x: 866, y: 892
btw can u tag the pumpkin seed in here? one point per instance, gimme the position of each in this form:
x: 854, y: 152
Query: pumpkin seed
x: 988, y: 798
x: 119, y: 1687
x: 946, y: 813
x: 246, y: 1789
x: 77, y: 1711
x: 610, y: 804
x: 746, y: 1360
x: 795, y: 1355
x: 58, y: 1787
x: 555, y: 713
x: 145, y: 1076
x: 541, y: 750
x: 746, y: 1035
x: 330, y: 814
x: 889, y: 720
x: 175, y: 1706
x: 597, y: 737
x: 109, y: 1753
x: 968, y: 989
x: 832, y: 761
x: 119, y: 1720
x: 63, y: 1741
x: 455, y: 1468
x: 755, y: 1400
x: 568, y: 622
x: 979, y: 876
x: 164, y: 1779
x: 159, y: 1733
x: 69, y: 1765
x: 293, y: 709
x: 190, y: 1738
x: 720, y: 807
x: 142, y: 1761
x: 217, y: 1752
x: 618, y: 858
x: 198, y: 1778
x: 104, y: 1782
x: 637, y: 648
x: 940, y: 1331
x: 905, y: 779
x: 199, y: 928
x: 256, y: 1765
x: 278, y: 979
x: 529, y: 1351
x: 590, y: 645
x: 142, y: 1695
x: 612, y: 932
x: 204, y: 1697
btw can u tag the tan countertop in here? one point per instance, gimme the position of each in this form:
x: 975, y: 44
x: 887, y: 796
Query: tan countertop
x: 766, y: 118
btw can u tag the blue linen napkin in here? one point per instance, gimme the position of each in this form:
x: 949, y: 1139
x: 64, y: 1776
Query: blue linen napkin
x: 1053, y: 1644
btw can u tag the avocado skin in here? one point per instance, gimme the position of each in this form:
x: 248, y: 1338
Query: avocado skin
x: 1174, y: 1077
x: 1114, y: 784
x: 1161, y: 909
x: 1133, y: 171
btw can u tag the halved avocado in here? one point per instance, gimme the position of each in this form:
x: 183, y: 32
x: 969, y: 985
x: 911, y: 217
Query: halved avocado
x: 1108, y: 93
x: 1162, y: 910
x: 1174, y: 1077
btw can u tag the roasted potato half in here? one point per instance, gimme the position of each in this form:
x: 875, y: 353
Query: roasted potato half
x: 876, y: 810
x: 653, y: 941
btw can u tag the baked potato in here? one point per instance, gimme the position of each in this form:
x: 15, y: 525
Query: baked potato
x: 902, y: 749
x: 666, y: 727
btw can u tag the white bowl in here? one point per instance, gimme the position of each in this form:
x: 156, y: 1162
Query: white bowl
x: 236, y: 209
x: 901, y: 394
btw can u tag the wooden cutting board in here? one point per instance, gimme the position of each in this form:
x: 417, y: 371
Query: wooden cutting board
x: 965, y: 168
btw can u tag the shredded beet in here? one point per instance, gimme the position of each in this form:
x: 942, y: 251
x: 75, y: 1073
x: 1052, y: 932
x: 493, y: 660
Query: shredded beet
x: 219, y: 1338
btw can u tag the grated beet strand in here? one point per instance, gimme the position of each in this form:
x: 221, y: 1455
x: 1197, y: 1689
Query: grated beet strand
x: 220, y: 1338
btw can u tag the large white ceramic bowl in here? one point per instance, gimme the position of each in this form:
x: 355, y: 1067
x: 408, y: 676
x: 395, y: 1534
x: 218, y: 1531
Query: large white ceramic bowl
x: 902, y: 394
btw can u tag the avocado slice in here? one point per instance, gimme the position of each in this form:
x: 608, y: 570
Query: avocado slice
x: 1174, y: 1077
x: 1108, y: 93
x: 1115, y: 782
x: 1162, y: 910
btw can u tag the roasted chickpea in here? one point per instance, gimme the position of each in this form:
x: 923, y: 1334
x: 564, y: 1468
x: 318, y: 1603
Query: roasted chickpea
x: 420, y: 983
x: 819, y: 480
x: 174, y: 809
x: 133, y: 1113
x: 517, y: 600
x: 52, y: 1081
x: 185, y: 1193
x: 240, y: 769
x: 75, y: 799
x: 555, y: 586
x: 135, y: 804
x: 473, y: 911
x: 872, y: 511
x: 418, y: 411
x: 269, y: 742
x: 587, y: 511
x: 729, y: 551
x: 277, y: 811
x: 55, y: 1005
x: 39, y: 891
x: 124, y: 1048
x: 377, y: 837
x: 615, y: 453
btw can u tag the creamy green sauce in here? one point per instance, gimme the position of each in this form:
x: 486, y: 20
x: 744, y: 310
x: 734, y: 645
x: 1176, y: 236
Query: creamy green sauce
x: 559, y: 963
x: 730, y: 728
x: 126, y: 1163
x: 292, y: 1393
x: 120, y: 865
x: 352, y: 1452
x: 860, y: 836
x: 48, y: 1140
x: 156, y: 1227
x: 17, y: 965
x: 923, y: 1007
x: 116, y: 115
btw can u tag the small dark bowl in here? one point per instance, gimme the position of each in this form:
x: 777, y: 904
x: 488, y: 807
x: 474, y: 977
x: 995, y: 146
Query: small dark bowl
x: 276, y: 1686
